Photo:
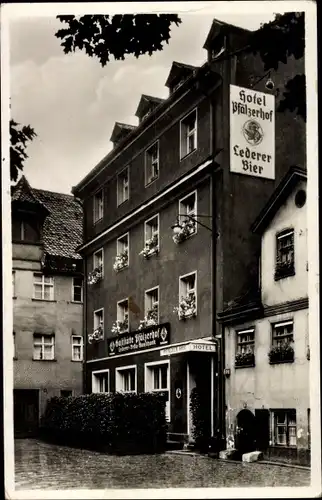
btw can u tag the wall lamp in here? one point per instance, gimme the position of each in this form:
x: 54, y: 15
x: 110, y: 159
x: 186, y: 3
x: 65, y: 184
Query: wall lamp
x: 269, y: 82
x: 177, y: 226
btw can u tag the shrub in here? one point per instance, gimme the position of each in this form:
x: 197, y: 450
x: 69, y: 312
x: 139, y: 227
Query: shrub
x: 117, y: 423
x: 200, y: 420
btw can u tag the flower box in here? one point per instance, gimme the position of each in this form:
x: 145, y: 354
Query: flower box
x: 284, y: 269
x: 245, y: 359
x: 283, y: 353
x: 120, y: 326
x: 95, y: 276
x: 121, y: 261
x: 151, y: 247
x: 150, y: 319
x: 187, y: 228
x: 187, y: 307
x: 96, y: 335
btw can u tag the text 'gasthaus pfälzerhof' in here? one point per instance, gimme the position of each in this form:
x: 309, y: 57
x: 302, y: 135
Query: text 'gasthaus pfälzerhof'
x: 252, y: 132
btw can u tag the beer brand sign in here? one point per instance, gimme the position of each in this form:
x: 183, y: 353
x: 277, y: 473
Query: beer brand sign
x: 252, y: 132
x: 153, y: 336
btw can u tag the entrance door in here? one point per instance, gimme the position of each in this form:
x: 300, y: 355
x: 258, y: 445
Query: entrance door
x: 200, y: 387
x: 245, y: 437
x: 26, y: 412
x: 262, y: 429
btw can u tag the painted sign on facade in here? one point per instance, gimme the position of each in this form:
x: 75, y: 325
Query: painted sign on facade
x: 154, y: 336
x: 252, y: 132
x: 191, y: 346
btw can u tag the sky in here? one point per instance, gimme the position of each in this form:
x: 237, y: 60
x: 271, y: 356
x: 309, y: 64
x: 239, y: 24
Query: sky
x: 73, y: 103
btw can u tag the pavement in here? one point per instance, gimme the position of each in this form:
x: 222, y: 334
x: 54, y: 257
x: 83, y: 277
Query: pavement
x: 43, y: 466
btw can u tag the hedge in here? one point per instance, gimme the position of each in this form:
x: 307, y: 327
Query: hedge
x: 117, y: 423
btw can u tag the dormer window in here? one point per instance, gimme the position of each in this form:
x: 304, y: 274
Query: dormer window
x: 177, y: 85
x: 26, y: 231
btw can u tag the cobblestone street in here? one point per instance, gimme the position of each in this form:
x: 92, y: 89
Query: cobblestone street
x: 40, y: 466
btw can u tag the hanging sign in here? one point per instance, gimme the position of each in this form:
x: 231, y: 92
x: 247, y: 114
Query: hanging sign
x: 252, y: 132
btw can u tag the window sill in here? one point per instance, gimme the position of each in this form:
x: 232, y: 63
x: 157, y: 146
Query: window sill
x: 122, y: 202
x: 43, y: 300
x: 76, y: 302
x: 121, y: 269
x: 97, y: 221
x: 245, y: 366
x: 284, y: 274
x: 46, y: 360
x: 76, y: 360
x: 278, y: 362
x: 151, y: 181
x: 188, y: 154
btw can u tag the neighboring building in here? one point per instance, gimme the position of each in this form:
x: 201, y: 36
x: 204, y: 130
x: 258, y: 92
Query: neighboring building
x: 267, y: 340
x: 173, y: 168
x: 47, y: 277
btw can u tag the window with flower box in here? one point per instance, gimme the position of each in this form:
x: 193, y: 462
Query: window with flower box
x: 157, y: 379
x: 101, y: 381
x: 245, y: 348
x: 187, y: 218
x: 282, y: 350
x: 43, y: 287
x: 152, y: 163
x: 188, y: 134
x: 122, y: 253
x: 44, y: 347
x: 125, y: 379
x: 121, y: 324
x: 98, y: 326
x: 285, y: 263
x: 98, y: 206
x: 187, y: 307
x: 151, y: 307
x: 284, y: 427
x: 151, y: 237
x: 123, y: 192
x: 97, y: 272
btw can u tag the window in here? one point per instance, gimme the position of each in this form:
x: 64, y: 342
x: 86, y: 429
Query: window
x: 284, y: 254
x: 188, y: 134
x: 101, y: 381
x: 98, y: 260
x: 44, y: 347
x: 99, y: 319
x: 125, y: 379
x: 66, y: 393
x: 151, y: 306
x: 245, y: 348
x: 188, y: 212
x: 25, y: 230
x: 157, y: 379
x: 284, y: 427
x: 187, y: 296
x: 123, y: 315
x: 43, y: 287
x: 123, y: 186
x: 122, y: 253
x: 282, y: 333
x: 77, y: 290
x: 13, y: 283
x: 77, y: 348
x: 152, y: 163
x: 98, y: 206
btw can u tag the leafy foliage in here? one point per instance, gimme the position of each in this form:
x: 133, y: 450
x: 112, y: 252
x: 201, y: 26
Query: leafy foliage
x: 281, y: 353
x: 200, y: 419
x: 20, y: 135
x: 276, y: 42
x: 118, y: 423
x: 105, y: 36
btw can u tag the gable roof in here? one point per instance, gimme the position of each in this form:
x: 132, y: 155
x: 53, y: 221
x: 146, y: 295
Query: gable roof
x: 283, y: 190
x: 179, y: 70
x: 120, y: 130
x: 147, y: 102
x: 63, y: 226
x: 220, y: 27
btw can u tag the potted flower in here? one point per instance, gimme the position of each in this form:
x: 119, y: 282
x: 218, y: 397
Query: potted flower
x: 281, y: 353
x: 121, y: 261
x: 120, y: 326
x: 151, y: 247
x: 151, y: 318
x: 187, y: 307
x: 184, y: 230
x: 95, y: 276
x: 284, y: 269
x: 245, y: 359
x: 96, y: 335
